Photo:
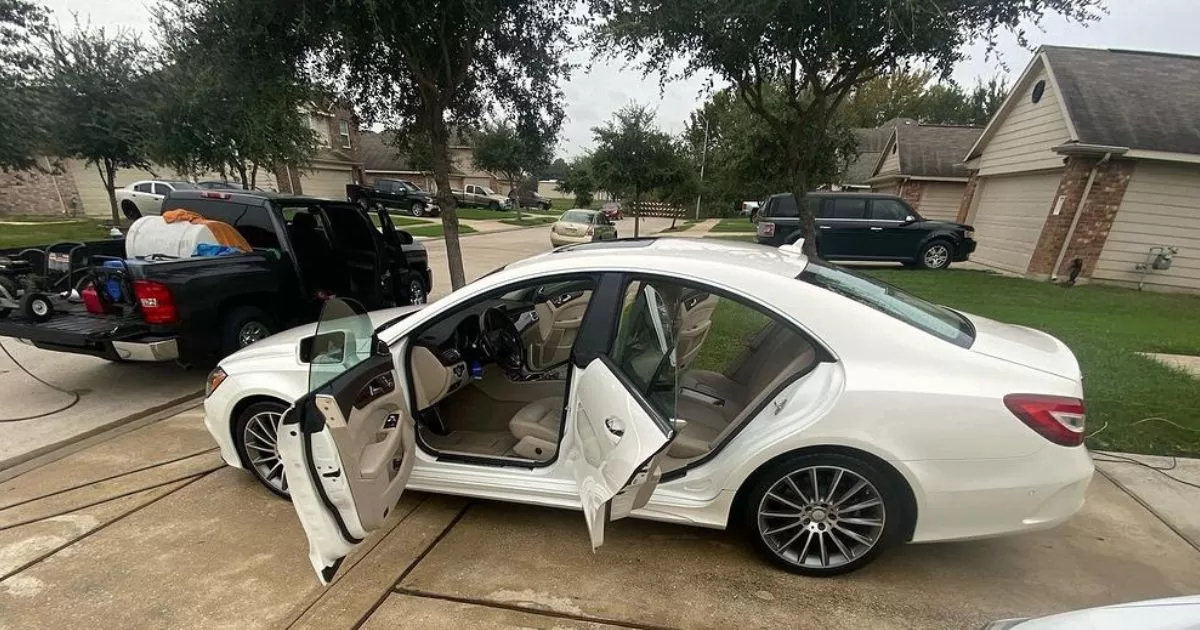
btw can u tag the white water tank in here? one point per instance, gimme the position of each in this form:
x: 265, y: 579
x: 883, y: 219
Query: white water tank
x: 153, y: 236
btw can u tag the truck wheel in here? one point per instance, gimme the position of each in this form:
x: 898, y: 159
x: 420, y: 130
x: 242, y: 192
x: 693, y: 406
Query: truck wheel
x: 414, y: 290
x: 130, y: 211
x: 36, y: 306
x: 495, y: 205
x: 243, y: 326
x: 418, y: 209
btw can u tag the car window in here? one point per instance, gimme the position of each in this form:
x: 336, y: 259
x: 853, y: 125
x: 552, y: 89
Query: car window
x: 888, y: 210
x: 576, y: 216
x: 784, y: 206
x: 161, y: 189
x: 644, y: 349
x: 847, y: 208
x: 252, y: 222
x: 182, y: 185
x: 143, y: 187
x: 933, y: 319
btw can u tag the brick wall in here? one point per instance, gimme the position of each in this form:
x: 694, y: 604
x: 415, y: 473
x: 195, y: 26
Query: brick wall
x: 964, y: 206
x: 36, y: 193
x: 1095, y: 219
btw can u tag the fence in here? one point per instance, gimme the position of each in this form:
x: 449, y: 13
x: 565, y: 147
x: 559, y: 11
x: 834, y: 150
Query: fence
x: 653, y: 209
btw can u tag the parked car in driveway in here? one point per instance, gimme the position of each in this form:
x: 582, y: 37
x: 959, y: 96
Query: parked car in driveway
x: 398, y: 194
x: 581, y: 226
x: 481, y: 196
x: 145, y: 197
x: 867, y: 227
x: 827, y: 415
x: 531, y: 199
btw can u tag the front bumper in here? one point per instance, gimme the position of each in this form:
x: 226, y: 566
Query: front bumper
x: 964, y: 250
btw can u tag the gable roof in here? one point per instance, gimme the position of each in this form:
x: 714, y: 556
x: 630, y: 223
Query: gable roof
x: 934, y: 151
x: 871, y: 143
x: 379, y: 154
x: 1127, y: 98
x: 1139, y: 101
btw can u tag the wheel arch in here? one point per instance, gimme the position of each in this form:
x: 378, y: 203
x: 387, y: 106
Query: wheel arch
x: 738, y: 505
x: 238, y: 409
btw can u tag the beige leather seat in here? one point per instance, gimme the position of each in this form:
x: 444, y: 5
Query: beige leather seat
x: 694, y: 320
x: 536, y: 428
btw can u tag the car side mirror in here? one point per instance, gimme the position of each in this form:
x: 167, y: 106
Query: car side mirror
x: 910, y: 219
x: 404, y: 237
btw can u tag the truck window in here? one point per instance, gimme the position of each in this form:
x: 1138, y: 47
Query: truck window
x: 253, y: 222
x: 350, y: 228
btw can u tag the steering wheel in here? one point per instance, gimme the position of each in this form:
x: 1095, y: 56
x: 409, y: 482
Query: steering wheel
x: 500, y: 339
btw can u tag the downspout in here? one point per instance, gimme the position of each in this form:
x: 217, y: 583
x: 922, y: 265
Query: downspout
x: 1087, y: 191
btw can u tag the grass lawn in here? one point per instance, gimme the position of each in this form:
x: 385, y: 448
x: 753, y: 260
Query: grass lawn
x: 562, y: 205
x: 1128, y: 395
x: 45, y: 233
x: 748, y: 238
x: 734, y: 225
x: 435, y: 229
x: 527, y: 220
x: 407, y: 221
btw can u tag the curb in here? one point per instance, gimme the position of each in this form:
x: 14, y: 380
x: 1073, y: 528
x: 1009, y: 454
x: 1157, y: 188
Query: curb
x: 20, y: 464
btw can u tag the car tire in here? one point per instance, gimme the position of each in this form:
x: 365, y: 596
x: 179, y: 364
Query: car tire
x: 130, y: 211
x: 935, y: 255
x: 795, y: 543
x: 242, y: 326
x: 256, y: 460
x: 546, y: 206
x: 494, y: 205
x: 418, y: 209
x: 414, y: 290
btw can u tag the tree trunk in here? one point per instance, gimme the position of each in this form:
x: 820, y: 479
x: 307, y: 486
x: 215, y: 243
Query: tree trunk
x: 516, y: 196
x: 241, y: 169
x: 439, y: 141
x: 253, y: 177
x: 108, y: 173
x: 808, y: 227
x: 637, y: 213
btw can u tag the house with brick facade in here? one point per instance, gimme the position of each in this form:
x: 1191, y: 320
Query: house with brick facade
x: 1093, y: 160
x: 923, y: 164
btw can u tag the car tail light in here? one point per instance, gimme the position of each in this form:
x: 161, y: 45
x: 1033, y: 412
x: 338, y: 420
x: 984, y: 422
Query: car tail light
x: 1056, y: 418
x: 216, y: 195
x: 157, y: 305
x: 91, y: 300
x: 765, y: 228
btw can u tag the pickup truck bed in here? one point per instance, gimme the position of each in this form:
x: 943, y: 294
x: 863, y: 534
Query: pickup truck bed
x: 73, y: 329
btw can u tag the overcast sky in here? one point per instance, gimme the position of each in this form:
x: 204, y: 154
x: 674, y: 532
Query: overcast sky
x: 592, y: 95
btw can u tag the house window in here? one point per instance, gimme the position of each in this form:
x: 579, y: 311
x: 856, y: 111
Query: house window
x: 344, y: 132
x: 321, y: 128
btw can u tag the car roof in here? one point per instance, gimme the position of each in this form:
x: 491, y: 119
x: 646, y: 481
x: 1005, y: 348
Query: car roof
x: 258, y: 195
x: 670, y: 254
x: 830, y: 193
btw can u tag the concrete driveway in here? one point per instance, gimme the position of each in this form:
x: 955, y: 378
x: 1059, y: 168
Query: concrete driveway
x: 112, y: 393
x: 147, y: 529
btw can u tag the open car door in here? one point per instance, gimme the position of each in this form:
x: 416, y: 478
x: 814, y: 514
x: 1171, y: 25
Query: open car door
x: 348, y: 445
x: 619, y: 415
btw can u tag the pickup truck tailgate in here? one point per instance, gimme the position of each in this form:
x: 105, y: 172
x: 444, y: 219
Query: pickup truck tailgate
x: 76, y: 330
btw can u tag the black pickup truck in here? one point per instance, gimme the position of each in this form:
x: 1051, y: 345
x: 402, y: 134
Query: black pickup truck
x: 399, y: 194
x: 204, y: 308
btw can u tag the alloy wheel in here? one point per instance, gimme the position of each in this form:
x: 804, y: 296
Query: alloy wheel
x: 821, y: 517
x: 251, y: 332
x: 937, y: 256
x: 416, y: 292
x: 259, y: 438
x: 418, y: 210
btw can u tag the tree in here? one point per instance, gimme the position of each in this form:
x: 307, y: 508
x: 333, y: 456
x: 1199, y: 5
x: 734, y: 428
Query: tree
x: 96, y: 86
x: 506, y: 149
x: 814, y: 52
x: 579, y: 181
x: 888, y: 96
x: 424, y: 67
x: 23, y: 123
x: 632, y: 157
x: 217, y: 113
x: 555, y: 170
x: 746, y: 160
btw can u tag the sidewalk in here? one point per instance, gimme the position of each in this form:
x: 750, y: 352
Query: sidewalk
x: 1160, y: 484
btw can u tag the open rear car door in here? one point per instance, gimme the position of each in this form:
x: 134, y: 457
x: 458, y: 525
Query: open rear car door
x: 619, y: 416
x: 348, y: 445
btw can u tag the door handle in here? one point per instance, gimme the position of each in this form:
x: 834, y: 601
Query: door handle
x: 876, y: 229
x: 614, y: 426
x: 823, y: 227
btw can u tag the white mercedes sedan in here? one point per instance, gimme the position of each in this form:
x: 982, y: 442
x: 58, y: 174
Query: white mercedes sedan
x: 694, y: 381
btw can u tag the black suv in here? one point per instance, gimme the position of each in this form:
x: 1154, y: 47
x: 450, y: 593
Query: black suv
x: 867, y: 226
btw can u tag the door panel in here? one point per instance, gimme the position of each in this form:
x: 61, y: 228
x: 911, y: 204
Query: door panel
x: 616, y: 440
x: 891, y: 236
x: 348, y: 445
x: 843, y: 228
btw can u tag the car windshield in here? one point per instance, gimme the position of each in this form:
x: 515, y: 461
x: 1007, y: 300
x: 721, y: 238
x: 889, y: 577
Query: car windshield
x: 933, y: 319
x: 407, y: 185
x: 576, y: 216
x: 485, y: 190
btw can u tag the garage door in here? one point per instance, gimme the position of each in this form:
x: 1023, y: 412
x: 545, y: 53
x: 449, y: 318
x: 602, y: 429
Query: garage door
x: 324, y: 182
x: 1009, y: 218
x: 940, y: 200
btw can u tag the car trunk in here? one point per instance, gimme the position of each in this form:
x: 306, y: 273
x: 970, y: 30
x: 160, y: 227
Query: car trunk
x: 1023, y: 346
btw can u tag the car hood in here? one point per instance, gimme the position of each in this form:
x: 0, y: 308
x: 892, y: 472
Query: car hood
x: 1178, y: 613
x: 284, y: 343
x: 1024, y: 346
x: 947, y: 225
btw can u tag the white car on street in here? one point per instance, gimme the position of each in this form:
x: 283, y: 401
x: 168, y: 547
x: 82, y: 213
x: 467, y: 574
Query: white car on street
x: 145, y: 198
x: 686, y: 380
